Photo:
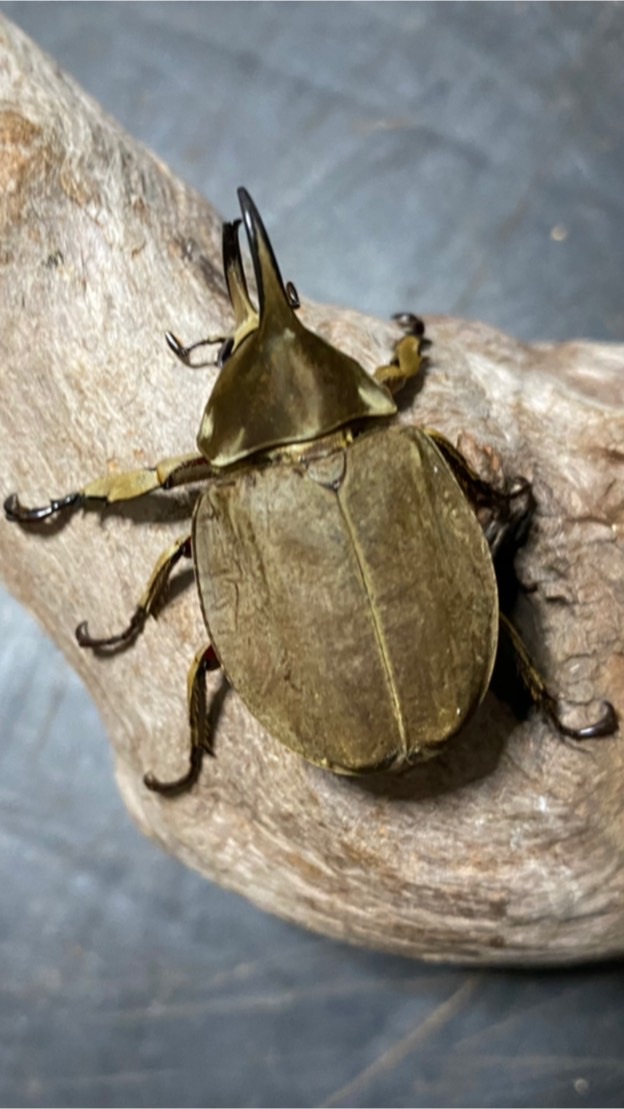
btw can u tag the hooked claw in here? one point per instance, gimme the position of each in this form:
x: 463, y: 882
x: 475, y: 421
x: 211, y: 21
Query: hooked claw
x: 606, y: 724
x: 121, y: 639
x: 411, y: 324
x: 17, y: 513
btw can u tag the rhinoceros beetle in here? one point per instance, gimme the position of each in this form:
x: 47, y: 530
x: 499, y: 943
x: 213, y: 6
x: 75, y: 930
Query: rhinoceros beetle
x: 346, y: 583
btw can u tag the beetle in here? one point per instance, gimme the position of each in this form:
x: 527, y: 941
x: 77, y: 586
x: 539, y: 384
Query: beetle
x: 347, y: 586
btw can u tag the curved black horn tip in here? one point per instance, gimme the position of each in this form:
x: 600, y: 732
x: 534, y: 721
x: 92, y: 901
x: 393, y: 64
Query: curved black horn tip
x: 246, y: 203
x: 266, y: 268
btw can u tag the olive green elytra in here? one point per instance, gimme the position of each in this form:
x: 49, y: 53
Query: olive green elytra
x: 347, y: 587
x: 357, y: 624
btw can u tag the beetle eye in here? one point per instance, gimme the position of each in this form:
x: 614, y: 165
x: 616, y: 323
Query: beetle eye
x: 225, y: 351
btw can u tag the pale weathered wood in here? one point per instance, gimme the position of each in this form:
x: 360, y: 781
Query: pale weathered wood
x: 508, y: 848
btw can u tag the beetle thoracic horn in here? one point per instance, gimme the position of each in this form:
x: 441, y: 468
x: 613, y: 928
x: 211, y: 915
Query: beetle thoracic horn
x: 271, y: 290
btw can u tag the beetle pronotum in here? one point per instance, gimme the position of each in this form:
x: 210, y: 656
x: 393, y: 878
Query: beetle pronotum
x: 340, y: 533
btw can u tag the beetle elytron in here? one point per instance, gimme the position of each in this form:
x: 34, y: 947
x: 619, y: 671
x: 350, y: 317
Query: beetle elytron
x: 346, y: 584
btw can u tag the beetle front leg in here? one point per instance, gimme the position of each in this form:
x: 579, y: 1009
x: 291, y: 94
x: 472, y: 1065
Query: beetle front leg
x: 149, y: 603
x: 113, y: 488
x: 184, y: 353
x: 201, y: 739
x: 538, y: 693
x: 408, y: 357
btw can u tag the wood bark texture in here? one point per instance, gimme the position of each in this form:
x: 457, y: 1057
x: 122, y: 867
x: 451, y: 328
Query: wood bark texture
x: 507, y: 848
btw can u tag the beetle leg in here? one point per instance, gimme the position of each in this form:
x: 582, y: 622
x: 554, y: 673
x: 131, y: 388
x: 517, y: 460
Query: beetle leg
x: 149, y: 603
x: 184, y: 353
x: 408, y: 354
x: 201, y: 740
x: 512, y: 508
x: 478, y: 491
x: 167, y: 474
x: 535, y: 687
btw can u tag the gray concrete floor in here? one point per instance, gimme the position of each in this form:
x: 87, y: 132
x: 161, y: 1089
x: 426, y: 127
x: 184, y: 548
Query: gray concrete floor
x: 463, y: 158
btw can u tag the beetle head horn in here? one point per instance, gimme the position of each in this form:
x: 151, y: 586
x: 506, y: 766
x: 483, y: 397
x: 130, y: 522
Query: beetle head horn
x: 279, y: 383
x: 246, y: 318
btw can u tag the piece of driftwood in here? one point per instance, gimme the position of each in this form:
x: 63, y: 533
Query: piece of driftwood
x: 509, y: 847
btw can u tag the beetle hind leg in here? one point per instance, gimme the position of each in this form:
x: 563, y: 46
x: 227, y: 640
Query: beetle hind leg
x: 511, y: 507
x: 201, y: 740
x: 147, y: 606
x: 539, y: 695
